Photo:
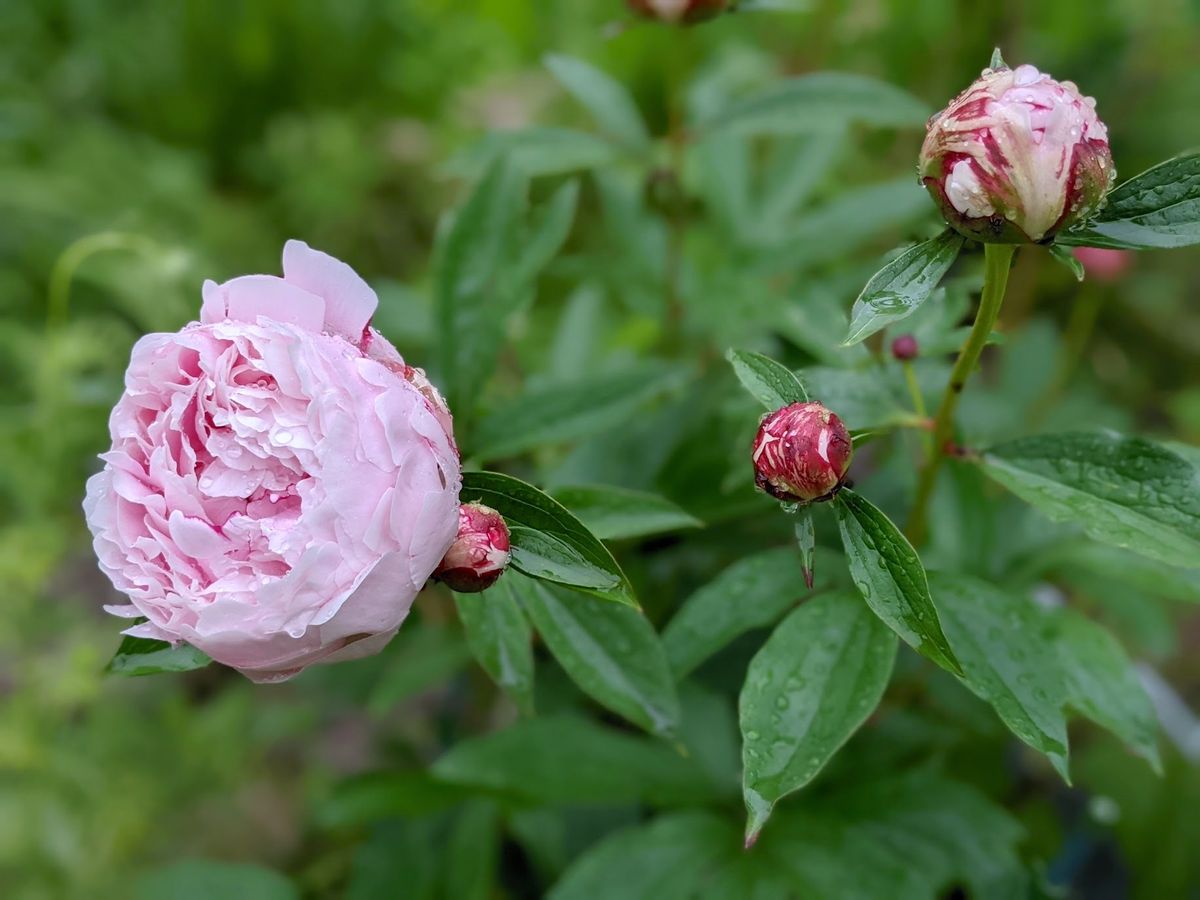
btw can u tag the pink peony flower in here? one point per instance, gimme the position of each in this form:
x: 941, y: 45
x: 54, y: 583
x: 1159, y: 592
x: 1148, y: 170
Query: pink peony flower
x: 1017, y: 157
x: 480, y: 553
x: 685, y: 11
x: 1104, y: 264
x: 801, y: 453
x: 281, y: 484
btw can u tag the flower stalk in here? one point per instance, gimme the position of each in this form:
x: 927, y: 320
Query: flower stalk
x: 997, y: 261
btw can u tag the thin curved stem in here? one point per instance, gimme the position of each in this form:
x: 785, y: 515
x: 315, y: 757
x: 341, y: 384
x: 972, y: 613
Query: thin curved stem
x: 58, y: 293
x: 997, y: 261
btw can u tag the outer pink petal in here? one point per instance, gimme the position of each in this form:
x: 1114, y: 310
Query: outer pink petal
x: 349, y: 301
x: 251, y: 296
x: 213, y: 308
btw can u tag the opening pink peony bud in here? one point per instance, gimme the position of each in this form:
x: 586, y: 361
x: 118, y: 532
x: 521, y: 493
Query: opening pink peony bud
x: 281, y: 483
x: 480, y: 553
x: 1103, y: 264
x: 801, y: 453
x: 1017, y: 157
x: 905, y: 348
x: 686, y: 12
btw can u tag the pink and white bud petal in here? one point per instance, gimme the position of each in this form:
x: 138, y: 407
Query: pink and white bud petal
x: 801, y: 453
x: 686, y: 12
x: 480, y: 553
x: 1017, y: 157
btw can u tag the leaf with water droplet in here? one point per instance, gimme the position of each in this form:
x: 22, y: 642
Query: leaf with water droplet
x: 611, y: 651
x: 810, y: 687
x: 1124, y: 491
x: 900, y: 288
x: 773, y: 384
x: 891, y: 578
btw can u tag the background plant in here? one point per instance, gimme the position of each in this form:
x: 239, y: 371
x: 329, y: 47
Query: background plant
x: 723, y: 208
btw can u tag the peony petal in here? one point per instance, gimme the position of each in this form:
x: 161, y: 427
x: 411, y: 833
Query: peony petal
x: 213, y: 309
x: 195, y: 538
x: 253, y: 296
x: 349, y: 301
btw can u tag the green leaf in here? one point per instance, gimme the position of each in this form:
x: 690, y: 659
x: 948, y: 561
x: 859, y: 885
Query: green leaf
x: 500, y: 638
x: 142, y: 656
x: 473, y: 298
x: 889, y: 574
x: 604, y: 97
x: 862, y: 398
x: 1159, y: 208
x: 814, y: 682
x: 568, y: 760
x: 472, y: 851
x: 524, y: 506
x: 545, y: 556
x: 397, y: 852
x: 392, y: 794
x: 806, y: 542
x: 1064, y: 256
x: 822, y: 101
x: 535, y: 152
x: 550, y: 226
x: 939, y: 832
x: 752, y: 593
x: 613, y: 513
x: 611, y: 651
x: 1102, y: 685
x: 671, y: 858
x: 1031, y: 663
x: 567, y: 411
x: 773, y: 384
x: 421, y: 656
x: 903, y: 285
x: 1124, y: 491
x: 1127, y: 569
x: 205, y: 879
x: 1007, y: 660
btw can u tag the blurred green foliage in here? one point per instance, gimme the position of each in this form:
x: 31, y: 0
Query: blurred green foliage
x: 194, y: 137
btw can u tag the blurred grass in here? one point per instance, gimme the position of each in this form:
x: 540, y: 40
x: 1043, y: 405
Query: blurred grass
x: 212, y: 131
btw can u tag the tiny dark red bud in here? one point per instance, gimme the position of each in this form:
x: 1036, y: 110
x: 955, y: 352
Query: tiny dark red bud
x: 801, y: 453
x: 904, y: 348
x: 480, y: 553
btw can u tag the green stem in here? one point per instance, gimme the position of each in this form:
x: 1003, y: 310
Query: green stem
x: 58, y: 293
x: 997, y: 261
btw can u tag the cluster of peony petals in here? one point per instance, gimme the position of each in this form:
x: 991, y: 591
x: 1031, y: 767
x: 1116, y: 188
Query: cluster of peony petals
x: 280, y: 484
x: 1017, y: 157
x: 801, y: 453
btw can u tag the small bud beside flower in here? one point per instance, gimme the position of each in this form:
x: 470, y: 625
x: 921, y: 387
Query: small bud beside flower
x: 686, y: 12
x: 1017, y: 157
x: 480, y: 553
x: 1103, y: 264
x: 905, y: 348
x: 801, y: 453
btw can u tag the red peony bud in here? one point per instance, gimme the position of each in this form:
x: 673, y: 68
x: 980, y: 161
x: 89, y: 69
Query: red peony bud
x: 686, y: 12
x: 480, y: 553
x: 904, y: 348
x: 1017, y: 157
x: 1103, y: 264
x: 801, y: 453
